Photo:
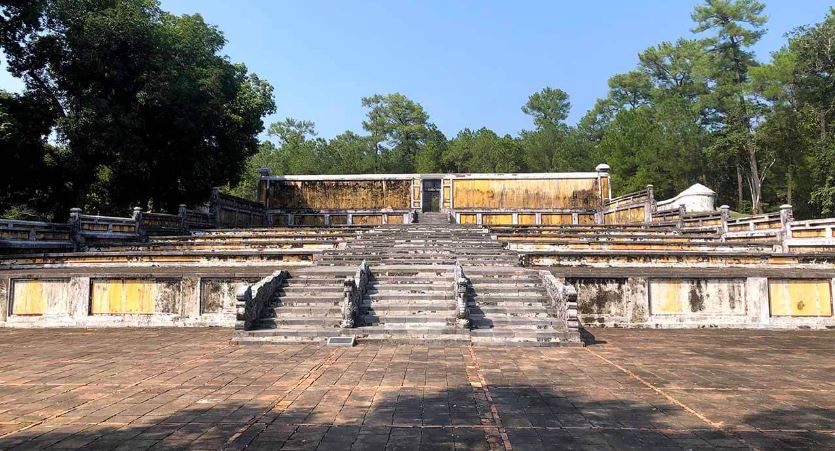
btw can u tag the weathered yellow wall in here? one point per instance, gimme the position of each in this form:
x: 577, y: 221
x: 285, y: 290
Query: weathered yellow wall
x: 626, y: 216
x: 686, y: 296
x: 340, y: 194
x: 39, y: 297
x: 554, y: 219
x: 497, y: 219
x: 117, y: 296
x: 525, y: 193
x: 468, y: 219
x: 800, y: 297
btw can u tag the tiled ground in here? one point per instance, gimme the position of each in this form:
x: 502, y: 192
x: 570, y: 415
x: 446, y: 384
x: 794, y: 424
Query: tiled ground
x: 189, y: 388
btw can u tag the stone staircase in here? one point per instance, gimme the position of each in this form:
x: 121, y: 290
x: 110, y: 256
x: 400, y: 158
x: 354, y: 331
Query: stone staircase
x: 306, y: 307
x: 512, y: 306
x: 410, y: 295
x: 410, y: 303
x: 417, y: 244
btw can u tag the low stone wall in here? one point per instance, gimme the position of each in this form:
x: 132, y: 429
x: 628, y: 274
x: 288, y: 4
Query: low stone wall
x: 785, y: 299
x: 122, y: 298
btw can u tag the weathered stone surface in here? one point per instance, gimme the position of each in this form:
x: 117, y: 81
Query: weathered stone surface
x: 634, y: 389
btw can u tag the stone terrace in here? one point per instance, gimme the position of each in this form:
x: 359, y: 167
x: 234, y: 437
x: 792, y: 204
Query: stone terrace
x: 190, y: 388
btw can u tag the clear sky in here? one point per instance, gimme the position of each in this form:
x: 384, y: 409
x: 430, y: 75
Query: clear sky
x: 469, y: 63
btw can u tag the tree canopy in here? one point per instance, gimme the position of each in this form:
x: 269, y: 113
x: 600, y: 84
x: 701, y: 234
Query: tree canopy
x: 141, y: 106
x: 126, y: 105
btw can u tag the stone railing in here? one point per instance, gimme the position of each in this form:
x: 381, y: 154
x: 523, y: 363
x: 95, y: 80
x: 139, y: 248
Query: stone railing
x: 232, y: 211
x: 460, y: 289
x: 253, y: 299
x: 353, y: 292
x: 523, y: 216
x: 325, y: 218
x: 630, y: 208
x: 564, y: 301
x: 22, y: 235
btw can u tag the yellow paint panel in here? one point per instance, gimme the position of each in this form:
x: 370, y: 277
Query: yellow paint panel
x: 586, y: 219
x: 814, y: 233
x: 527, y: 219
x: 525, y: 193
x: 552, y: 219
x: 394, y: 219
x: 309, y: 220
x: 800, y: 297
x: 39, y: 297
x: 497, y: 219
x: 28, y: 298
x: 697, y: 296
x: 367, y: 219
x: 468, y: 219
x: 339, y: 219
x: 123, y: 296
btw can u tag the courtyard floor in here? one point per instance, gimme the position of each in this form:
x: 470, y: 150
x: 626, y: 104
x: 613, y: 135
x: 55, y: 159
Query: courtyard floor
x: 190, y: 388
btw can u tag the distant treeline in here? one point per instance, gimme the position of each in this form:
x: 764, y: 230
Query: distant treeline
x: 156, y: 116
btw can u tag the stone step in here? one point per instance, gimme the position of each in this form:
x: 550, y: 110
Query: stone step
x: 387, y: 295
x: 283, y: 322
x: 413, y: 306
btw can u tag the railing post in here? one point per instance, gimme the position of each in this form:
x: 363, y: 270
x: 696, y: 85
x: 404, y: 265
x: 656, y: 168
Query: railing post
x: 75, y: 229
x: 681, y: 211
x: 214, y: 207
x: 650, y: 204
x: 786, y: 217
x: 725, y: 215
x: 137, y: 219
x: 182, y: 212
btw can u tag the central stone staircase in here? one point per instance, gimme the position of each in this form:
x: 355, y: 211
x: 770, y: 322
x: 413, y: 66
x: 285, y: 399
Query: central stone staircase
x: 425, y: 283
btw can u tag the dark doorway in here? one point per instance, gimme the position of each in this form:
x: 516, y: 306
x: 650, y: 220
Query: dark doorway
x: 432, y: 195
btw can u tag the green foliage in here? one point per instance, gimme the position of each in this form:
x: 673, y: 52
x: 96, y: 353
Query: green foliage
x: 144, y: 108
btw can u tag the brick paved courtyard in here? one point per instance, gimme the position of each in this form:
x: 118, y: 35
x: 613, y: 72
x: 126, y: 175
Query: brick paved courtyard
x: 189, y: 388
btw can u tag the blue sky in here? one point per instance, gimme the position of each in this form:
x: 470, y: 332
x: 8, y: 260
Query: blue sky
x: 469, y: 63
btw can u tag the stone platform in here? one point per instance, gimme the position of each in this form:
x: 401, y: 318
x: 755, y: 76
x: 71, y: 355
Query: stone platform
x: 191, y: 389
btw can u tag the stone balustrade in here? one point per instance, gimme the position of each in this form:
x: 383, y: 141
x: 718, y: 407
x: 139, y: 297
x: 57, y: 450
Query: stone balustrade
x: 353, y: 291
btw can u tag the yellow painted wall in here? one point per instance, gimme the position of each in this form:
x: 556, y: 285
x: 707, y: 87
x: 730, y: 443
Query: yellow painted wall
x: 800, y: 297
x: 689, y: 296
x: 394, y: 219
x: 119, y: 296
x: 626, y: 216
x: 468, y: 219
x: 39, y: 297
x: 367, y: 219
x: 525, y: 193
x: 554, y: 219
x: 497, y: 219
x: 341, y: 194
x: 527, y: 219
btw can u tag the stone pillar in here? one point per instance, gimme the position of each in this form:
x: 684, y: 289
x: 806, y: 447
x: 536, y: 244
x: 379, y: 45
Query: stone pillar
x: 649, y: 208
x: 79, y: 299
x: 190, y: 306
x: 681, y: 211
x: 757, y: 302
x: 263, y: 193
x: 5, y: 298
x: 75, y: 229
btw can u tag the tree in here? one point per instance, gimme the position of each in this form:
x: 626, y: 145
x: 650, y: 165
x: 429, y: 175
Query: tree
x: 482, y: 151
x: 146, y: 110
x: 549, y: 107
x: 399, y: 126
x: 737, y: 25
x: 29, y: 162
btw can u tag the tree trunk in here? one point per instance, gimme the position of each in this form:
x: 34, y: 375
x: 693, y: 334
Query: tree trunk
x: 756, y: 182
x: 738, y: 186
